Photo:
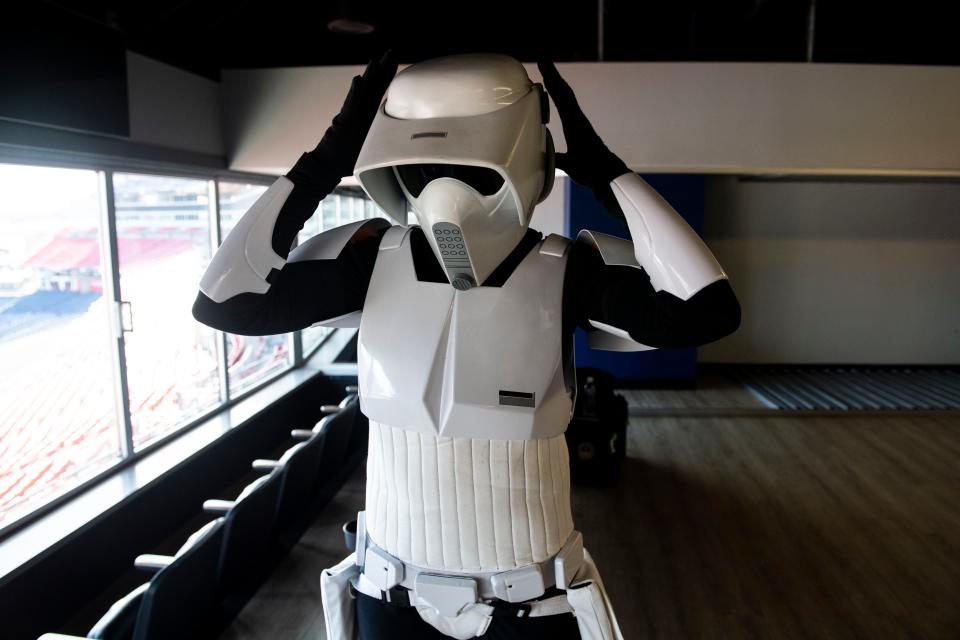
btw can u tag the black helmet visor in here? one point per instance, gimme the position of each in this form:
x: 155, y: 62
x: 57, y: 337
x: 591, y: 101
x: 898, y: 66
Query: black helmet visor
x: 416, y: 176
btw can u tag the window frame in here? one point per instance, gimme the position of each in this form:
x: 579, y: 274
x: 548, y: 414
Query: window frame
x: 105, y: 168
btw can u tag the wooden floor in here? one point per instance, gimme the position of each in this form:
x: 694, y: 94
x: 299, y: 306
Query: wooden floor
x: 713, y: 392
x: 739, y: 527
x: 801, y: 527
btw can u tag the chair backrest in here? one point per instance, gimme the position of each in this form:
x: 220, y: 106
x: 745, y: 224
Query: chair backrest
x: 300, y: 475
x: 360, y: 433
x: 120, y: 619
x: 247, y: 531
x: 182, y: 594
x: 339, y: 430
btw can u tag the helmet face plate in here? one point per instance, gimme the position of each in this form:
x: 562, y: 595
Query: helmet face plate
x: 476, y: 161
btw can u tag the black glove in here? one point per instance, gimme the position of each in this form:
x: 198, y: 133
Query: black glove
x: 587, y: 161
x: 336, y: 154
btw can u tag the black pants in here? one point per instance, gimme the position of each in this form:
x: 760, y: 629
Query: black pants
x: 378, y: 620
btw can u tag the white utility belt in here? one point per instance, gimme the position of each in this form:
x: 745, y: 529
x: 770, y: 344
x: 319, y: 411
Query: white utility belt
x: 449, y: 592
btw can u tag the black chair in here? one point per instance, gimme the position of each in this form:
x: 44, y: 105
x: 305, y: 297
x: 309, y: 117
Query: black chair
x: 298, y: 469
x: 117, y: 623
x: 360, y: 433
x: 185, y: 590
x: 248, y: 524
x: 120, y: 619
x: 175, y: 602
x: 339, y: 427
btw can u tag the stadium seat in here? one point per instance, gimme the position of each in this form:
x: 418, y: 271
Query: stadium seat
x: 117, y: 623
x: 171, y: 605
x: 360, y: 433
x: 185, y: 588
x: 298, y: 469
x: 339, y: 428
x: 248, y: 525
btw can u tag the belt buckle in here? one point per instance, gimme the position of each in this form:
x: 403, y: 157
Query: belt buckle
x: 518, y: 585
x: 382, y: 569
x: 447, y: 594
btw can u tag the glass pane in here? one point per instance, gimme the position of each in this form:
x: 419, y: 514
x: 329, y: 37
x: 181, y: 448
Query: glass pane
x: 235, y: 199
x: 253, y: 359
x: 313, y: 336
x: 250, y: 359
x: 346, y: 210
x: 329, y: 208
x: 310, y: 228
x: 163, y: 233
x: 58, y: 418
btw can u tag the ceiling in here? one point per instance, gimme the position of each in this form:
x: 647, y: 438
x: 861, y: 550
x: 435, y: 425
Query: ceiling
x: 207, y: 36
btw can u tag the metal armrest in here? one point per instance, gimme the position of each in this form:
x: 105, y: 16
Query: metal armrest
x: 218, y: 507
x: 152, y: 562
x: 265, y: 465
x: 328, y: 409
x: 302, y: 434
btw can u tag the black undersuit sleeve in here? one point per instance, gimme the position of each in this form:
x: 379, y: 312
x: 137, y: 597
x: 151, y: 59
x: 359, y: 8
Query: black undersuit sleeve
x: 623, y: 297
x: 301, y: 293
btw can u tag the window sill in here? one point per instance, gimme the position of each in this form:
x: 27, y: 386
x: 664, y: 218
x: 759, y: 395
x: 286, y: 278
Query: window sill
x: 27, y: 545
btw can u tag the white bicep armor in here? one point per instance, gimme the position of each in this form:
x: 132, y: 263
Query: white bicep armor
x: 664, y: 245
x: 246, y: 256
x: 672, y: 253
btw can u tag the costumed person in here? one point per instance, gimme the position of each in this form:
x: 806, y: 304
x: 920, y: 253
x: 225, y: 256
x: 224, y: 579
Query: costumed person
x: 465, y: 349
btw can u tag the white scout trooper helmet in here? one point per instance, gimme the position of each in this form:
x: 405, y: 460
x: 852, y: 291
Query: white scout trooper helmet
x: 463, y: 140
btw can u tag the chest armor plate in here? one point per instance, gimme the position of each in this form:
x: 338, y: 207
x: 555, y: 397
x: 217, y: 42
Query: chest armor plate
x: 483, y: 363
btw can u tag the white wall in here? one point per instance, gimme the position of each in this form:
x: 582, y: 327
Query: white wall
x: 839, y: 272
x: 683, y: 117
x: 173, y: 108
x: 826, y: 271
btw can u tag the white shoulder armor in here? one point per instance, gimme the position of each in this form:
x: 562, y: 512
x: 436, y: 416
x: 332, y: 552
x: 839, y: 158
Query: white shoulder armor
x: 672, y: 253
x: 329, y: 244
x: 246, y: 256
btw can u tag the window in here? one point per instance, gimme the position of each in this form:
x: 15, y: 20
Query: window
x: 58, y: 416
x: 172, y: 361
x: 313, y: 337
x: 250, y: 359
x: 66, y: 346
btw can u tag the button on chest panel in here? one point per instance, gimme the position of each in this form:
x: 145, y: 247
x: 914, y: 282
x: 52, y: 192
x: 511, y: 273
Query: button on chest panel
x: 483, y: 363
x: 454, y: 253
